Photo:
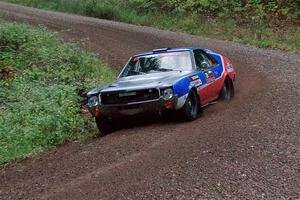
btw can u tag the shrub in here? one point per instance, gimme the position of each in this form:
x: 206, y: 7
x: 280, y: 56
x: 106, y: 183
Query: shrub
x: 39, y: 106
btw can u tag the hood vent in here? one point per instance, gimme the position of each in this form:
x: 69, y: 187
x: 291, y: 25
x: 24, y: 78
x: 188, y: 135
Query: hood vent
x: 114, y: 85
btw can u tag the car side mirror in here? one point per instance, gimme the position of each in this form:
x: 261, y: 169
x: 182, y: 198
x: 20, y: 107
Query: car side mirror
x: 205, y: 65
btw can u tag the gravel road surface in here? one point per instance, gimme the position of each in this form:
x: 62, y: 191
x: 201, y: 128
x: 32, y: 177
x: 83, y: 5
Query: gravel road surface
x: 248, y: 148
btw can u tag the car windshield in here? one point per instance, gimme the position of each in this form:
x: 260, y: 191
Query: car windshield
x: 163, y: 62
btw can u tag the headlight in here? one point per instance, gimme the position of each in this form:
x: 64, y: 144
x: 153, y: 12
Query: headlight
x: 167, y: 94
x: 93, y: 101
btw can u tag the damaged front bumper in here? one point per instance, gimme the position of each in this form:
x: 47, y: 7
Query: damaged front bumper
x: 156, y: 106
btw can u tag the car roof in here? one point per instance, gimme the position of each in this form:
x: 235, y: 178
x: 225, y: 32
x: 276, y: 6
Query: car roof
x: 166, y: 50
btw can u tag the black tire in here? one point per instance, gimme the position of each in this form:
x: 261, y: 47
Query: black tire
x: 227, y: 91
x: 105, y: 125
x: 190, y: 109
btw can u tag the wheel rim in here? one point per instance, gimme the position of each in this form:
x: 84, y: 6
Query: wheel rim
x: 227, y: 91
x: 192, y: 102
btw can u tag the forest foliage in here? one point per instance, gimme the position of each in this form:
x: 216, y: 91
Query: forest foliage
x: 263, y: 23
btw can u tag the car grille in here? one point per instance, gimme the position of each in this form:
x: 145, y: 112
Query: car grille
x: 127, y: 97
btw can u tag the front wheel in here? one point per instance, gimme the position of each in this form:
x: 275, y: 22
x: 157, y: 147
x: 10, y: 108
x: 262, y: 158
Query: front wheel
x: 105, y: 125
x: 189, y: 111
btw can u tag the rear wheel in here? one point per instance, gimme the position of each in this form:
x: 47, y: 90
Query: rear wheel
x: 227, y: 91
x: 105, y: 125
x: 190, y: 109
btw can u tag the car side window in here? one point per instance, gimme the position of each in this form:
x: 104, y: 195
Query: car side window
x: 204, y: 60
x: 212, y: 61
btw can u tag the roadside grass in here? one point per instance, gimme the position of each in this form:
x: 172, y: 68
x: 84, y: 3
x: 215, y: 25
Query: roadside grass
x: 257, y: 34
x: 39, y: 105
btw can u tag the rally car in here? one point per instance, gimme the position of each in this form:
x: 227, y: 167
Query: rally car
x: 180, y: 80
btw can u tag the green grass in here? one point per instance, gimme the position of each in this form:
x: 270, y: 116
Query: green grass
x: 137, y: 12
x: 39, y: 107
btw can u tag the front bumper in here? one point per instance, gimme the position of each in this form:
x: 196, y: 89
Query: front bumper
x: 149, y: 107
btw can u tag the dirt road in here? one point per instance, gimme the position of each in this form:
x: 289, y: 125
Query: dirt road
x: 248, y: 148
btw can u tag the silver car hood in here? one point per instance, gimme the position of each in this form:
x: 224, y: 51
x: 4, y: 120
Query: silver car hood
x: 152, y: 80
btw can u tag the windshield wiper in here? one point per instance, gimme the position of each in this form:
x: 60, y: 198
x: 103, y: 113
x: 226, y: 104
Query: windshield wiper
x: 136, y: 72
x: 164, y: 69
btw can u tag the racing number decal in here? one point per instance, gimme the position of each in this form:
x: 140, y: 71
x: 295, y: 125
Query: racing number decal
x: 230, y: 68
